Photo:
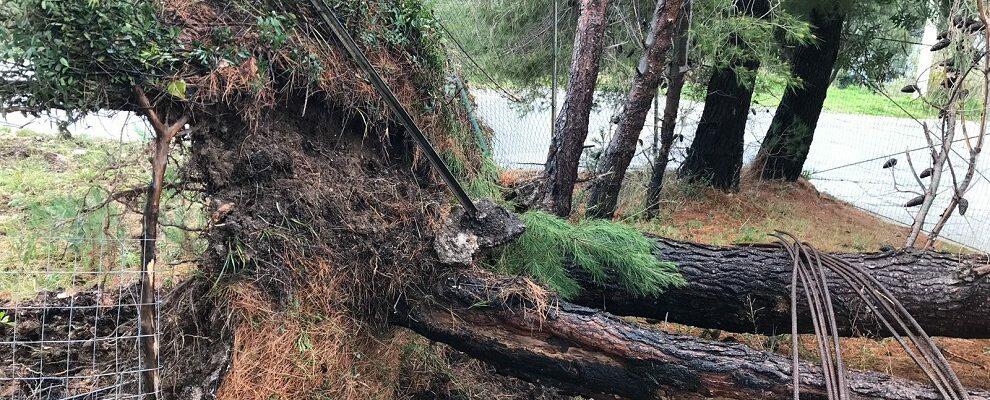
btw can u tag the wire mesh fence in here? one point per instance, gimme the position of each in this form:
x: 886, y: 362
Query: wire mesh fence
x: 845, y: 159
x: 69, y: 320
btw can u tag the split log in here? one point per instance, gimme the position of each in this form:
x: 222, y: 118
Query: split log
x: 508, y: 323
x: 745, y: 289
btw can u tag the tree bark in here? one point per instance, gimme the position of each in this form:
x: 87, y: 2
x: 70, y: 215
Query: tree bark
x: 746, y: 289
x: 789, y: 138
x: 571, y: 125
x: 603, y: 192
x: 589, y: 352
x: 147, y: 313
x: 715, y: 155
x: 676, y: 68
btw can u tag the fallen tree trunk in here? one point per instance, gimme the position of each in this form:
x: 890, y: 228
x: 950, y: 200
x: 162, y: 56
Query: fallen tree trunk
x: 515, y: 326
x: 746, y: 289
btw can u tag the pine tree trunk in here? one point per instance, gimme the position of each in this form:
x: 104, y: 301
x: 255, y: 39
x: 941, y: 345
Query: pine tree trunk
x: 715, y: 155
x: 571, y: 125
x: 604, y: 190
x: 676, y: 69
x: 590, y: 353
x: 789, y: 138
x: 746, y: 289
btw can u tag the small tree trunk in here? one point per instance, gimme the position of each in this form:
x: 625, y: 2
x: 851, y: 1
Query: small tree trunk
x: 571, y: 126
x: 715, y: 155
x: 675, y: 77
x: 789, y: 138
x: 149, y: 237
x: 604, y: 191
x: 938, y: 166
x: 960, y: 188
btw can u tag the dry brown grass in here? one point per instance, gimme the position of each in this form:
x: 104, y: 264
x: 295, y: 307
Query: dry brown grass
x: 295, y: 355
x: 707, y: 215
x: 701, y: 214
x: 970, y: 358
x: 316, y: 349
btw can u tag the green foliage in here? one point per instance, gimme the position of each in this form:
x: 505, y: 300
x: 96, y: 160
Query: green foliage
x: 70, y: 54
x: 605, y: 250
x: 716, y: 23
x: 875, y: 41
x: 50, y: 190
x: 82, y: 56
x: 513, y: 40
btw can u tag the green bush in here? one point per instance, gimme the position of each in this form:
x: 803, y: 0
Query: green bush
x: 606, y: 250
x: 69, y: 54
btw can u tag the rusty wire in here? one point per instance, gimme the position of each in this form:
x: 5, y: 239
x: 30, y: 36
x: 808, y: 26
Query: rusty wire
x: 809, y: 269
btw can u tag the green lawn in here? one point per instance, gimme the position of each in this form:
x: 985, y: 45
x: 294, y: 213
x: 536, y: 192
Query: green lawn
x: 861, y: 100
x: 850, y: 99
x: 51, y: 220
x: 858, y: 100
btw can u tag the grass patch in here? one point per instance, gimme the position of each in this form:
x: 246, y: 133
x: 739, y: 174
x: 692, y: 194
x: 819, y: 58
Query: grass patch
x: 49, y: 222
x: 856, y: 100
x: 861, y: 100
x: 605, y: 250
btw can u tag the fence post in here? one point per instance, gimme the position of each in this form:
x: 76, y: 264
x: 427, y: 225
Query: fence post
x: 472, y: 116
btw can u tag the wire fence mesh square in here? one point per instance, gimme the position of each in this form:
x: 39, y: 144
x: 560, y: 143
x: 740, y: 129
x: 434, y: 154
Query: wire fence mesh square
x: 69, y: 320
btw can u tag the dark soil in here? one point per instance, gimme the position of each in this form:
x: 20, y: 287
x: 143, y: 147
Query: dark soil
x: 70, y: 345
x: 294, y: 189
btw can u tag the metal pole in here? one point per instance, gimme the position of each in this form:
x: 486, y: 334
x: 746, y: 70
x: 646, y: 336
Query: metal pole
x: 553, y: 82
x: 656, y: 124
x: 400, y: 112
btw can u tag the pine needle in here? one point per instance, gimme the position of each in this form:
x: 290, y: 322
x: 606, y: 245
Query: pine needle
x: 607, y: 251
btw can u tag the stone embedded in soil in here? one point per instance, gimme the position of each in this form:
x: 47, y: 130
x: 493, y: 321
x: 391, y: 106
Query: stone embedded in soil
x: 461, y: 237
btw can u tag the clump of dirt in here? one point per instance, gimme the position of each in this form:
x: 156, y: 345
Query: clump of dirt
x: 62, y: 344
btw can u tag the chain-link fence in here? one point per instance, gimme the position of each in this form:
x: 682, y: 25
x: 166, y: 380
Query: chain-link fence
x: 69, y: 320
x: 845, y: 160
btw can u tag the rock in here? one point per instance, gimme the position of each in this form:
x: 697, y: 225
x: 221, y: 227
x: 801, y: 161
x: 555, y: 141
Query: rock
x: 461, y: 237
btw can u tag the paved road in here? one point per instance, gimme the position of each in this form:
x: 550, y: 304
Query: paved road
x: 522, y: 139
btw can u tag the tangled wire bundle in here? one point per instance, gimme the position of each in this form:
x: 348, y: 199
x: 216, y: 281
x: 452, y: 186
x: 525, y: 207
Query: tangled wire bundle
x: 809, y: 268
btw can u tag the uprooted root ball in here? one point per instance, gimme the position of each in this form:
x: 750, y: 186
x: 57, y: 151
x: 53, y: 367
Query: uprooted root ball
x: 316, y: 232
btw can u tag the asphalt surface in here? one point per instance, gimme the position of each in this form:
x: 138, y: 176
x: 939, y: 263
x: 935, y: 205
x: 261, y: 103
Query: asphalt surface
x: 845, y: 160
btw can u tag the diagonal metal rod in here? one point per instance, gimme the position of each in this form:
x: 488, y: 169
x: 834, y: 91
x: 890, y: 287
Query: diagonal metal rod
x: 330, y: 18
